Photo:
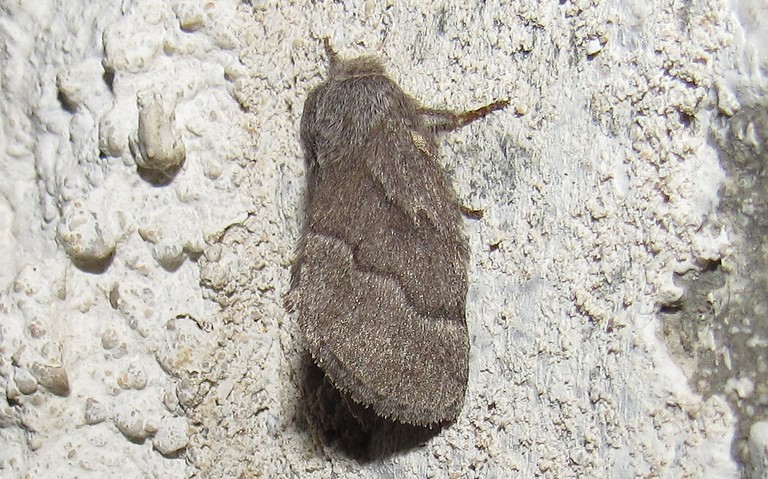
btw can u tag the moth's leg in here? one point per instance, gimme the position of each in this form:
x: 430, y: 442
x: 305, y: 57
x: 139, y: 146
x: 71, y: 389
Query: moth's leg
x: 421, y: 144
x: 446, y: 120
x: 471, y: 213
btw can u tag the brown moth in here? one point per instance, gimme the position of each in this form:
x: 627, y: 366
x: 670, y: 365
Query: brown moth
x: 380, y: 279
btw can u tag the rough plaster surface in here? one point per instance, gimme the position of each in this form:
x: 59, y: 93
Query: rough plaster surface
x: 151, y: 196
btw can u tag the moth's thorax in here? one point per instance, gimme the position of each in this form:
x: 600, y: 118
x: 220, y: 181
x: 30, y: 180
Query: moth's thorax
x: 351, y: 109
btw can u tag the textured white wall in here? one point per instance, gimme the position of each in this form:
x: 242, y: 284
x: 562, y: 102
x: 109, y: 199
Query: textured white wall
x: 143, y: 332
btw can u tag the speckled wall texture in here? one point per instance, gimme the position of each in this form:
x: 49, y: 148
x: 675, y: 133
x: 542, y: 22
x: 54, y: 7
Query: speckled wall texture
x: 151, y: 194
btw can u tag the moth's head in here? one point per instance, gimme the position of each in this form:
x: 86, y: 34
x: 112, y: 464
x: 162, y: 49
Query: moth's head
x: 341, y: 69
x: 356, y: 67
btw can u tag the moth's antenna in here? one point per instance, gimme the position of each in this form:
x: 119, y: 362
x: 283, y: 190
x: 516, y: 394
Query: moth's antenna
x: 333, y: 57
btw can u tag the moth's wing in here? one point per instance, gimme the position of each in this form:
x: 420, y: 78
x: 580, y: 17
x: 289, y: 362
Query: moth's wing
x: 312, y: 173
x: 383, y: 282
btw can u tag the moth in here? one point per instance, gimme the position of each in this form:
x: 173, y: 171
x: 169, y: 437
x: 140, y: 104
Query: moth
x: 380, y: 276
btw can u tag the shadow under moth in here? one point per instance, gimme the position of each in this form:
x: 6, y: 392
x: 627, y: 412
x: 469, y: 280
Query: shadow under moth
x: 380, y: 277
